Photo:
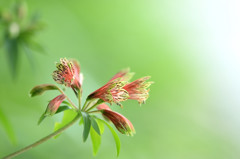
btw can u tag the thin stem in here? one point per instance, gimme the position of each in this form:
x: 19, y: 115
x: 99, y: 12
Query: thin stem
x: 96, y: 104
x: 42, y: 140
x: 85, y: 104
x: 96, y: 111
x: 68, y: 98
x: 79, y: 98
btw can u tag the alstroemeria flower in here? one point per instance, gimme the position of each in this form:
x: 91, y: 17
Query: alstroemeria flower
x: 113, y: 91
x: 54, y: 104
x: 137, y: 89
x: 67, y: 73
x: 121, y: 123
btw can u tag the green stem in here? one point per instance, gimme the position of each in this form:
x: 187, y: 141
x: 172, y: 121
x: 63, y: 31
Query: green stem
x: 42, y: 140
x: 96, y: 111
x: 85, y: 104
x: 79, y: 98
x: 96, y: 104
x: 74, y: 106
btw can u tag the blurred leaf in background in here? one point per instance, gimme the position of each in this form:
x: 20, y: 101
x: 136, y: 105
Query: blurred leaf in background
x: 7, y: 127
x: 18, y: 32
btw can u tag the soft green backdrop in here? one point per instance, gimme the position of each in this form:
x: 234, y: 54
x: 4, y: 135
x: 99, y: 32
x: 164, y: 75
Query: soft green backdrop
x: 192, y: 112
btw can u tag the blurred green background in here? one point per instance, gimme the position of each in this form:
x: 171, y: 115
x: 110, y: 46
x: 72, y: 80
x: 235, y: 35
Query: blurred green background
x: 189, y: 47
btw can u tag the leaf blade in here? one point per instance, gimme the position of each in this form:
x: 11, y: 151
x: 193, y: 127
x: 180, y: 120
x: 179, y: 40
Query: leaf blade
x: 95, y: 125
x: 40, y: 89
x: 62, y: 108
x: 87, y: 125
x: 115, y: 136
x: 68, y: 116
x: 8, y: 127
x: 96, y: 141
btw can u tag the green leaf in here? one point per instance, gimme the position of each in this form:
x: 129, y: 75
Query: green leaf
x: 95, y: 137
x: 42, y: 117
x: 96, y: 141
x: 87, y: 125
x: 81, y: 121
x: 67, y: 103
x: 7, y: 126
x: 62, y: 108
x: 115, y: 136
x: 40, y: 89
x: 95, y: 125
x: 68, y: 116
x: 11, y: 45
x: 29, y: 53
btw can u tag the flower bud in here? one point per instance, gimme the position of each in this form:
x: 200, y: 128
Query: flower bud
x: 40, y: 89
x: 54, y: 105
x: 121, y: 123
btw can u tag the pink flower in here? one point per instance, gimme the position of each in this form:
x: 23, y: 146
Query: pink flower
x: 113, y: 91
x: 137, y: 89
x: 67, y: 73
x: 121, y: 123
x: 54, y: 105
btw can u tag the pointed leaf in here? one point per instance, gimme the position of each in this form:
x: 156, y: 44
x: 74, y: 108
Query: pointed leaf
x: 96, y: 141
x: 62, y: 108
x: 87, y: 125
x: 7, y: 126
x: 42, y: 117
x: 11, y: 45
x: 95, y: 137
x: 67, y: 103
x: 68, y: 116
x: 115, y: 136
x: 29, y: 54
x: 95, y: 125
x: 40, y: 89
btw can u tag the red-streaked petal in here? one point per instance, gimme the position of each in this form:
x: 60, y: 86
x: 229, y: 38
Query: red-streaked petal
x: 121, y: 123
x: 138, y: 89
x: 54, y: 104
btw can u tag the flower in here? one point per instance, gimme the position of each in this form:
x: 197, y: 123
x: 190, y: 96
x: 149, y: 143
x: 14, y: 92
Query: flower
x: 121, y: 123
x: 54, y: 105
x: 113, y: 91
x: 137, y: 89
x: 67, y: 73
